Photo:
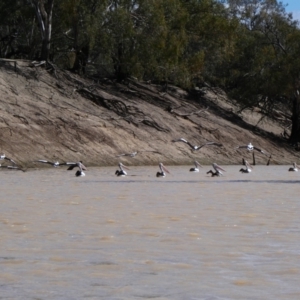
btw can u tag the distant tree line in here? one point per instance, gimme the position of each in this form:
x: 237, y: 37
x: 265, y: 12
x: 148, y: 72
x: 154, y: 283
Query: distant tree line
x: 250, y: 48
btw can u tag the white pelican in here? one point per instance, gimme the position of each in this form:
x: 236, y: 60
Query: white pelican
x: 3, y: 156
x: 248, y: 167
x: 196, y: 169
x: 121, y: 172
x: 132, y: 154
x: 251, y: 148
x: 12, y: 168
x: 294, y: 168
x: 218, y: 170
x: 195, y: 148
x: 163, y: 169
x: 80, y: 166
x: 53, y: 163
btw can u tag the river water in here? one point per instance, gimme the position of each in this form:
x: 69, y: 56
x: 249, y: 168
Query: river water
x: 185, y: 236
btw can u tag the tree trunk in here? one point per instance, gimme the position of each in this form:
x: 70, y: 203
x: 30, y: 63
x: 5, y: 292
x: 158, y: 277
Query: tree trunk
x: 43, y: 10
x: 295, y: 133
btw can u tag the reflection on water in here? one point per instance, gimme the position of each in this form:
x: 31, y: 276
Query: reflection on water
x: 186, y: 236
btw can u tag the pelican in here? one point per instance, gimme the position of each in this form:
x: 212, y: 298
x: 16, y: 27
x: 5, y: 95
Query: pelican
x: 251, y: 148
x: 3, y: 156
x: 53, y: 163
x: 196, y: 169
x: 195, y: 148
x: 294, y: 168
x: 218, y: 170
x: 132, y: 154
x: 121, y: 172
x: 248, y: 167
x: 12, y: 168
x: 163, y: 169
x: 79, y: 165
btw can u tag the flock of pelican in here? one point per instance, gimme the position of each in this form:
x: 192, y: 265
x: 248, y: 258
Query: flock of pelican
x: 217, y: 170
x: 71, y: 165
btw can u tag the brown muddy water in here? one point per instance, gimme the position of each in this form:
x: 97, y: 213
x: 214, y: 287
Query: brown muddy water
x: 186, y: 236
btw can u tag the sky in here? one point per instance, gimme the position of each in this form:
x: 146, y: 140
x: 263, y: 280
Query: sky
x: 293, y: 6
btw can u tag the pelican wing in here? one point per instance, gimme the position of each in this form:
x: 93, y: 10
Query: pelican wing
x: 260, y: 150
x: 180, y: 140
x: 71, y: 167
x: 241, y: 147
x: 13, y: 168
x: 209, y: 144
x: 67, y: 163
x: 186, y: 142
x: 45, y: 162
x: 9, y: 159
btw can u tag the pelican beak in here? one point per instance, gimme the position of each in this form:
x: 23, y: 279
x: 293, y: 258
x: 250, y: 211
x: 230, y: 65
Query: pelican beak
x: 218, y: 167
x: 199, y: 164
x: 165, y: 169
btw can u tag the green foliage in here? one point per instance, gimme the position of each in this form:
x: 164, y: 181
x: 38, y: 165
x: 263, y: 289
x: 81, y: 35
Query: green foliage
x: 249, y: 47
x: 263, y: 66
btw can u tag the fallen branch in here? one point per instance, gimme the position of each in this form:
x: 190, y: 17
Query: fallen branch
x: 117, y: 106
x: 184, y: 115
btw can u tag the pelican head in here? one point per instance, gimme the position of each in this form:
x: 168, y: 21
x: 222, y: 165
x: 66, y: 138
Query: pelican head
x: 163, y: 171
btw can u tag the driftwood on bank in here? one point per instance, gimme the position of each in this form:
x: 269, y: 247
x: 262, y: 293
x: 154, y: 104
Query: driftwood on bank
x: 118, y: 106
x: 184, y: 115
x: 121, y: 109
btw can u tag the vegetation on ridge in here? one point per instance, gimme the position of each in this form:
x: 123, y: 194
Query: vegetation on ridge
x: 250, y: 48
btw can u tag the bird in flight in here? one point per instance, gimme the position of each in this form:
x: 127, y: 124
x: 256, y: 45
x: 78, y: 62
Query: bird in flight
x: 250, y: 148
x: 3, y: 156
x: 195, y: 147
x: 53, y: 163
x: 133, y: 154
x: 13, y: 168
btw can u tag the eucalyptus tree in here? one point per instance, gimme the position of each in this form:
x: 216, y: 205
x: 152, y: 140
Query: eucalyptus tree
x: 144, y: 38
x: 160, y: 39
x: 265, y: 66
x: 211, y: 35
x: 43, y: 11
x: 79, y: 24
x: 17, y: 29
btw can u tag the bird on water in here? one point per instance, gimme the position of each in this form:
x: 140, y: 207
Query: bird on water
x: 163, y: 171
